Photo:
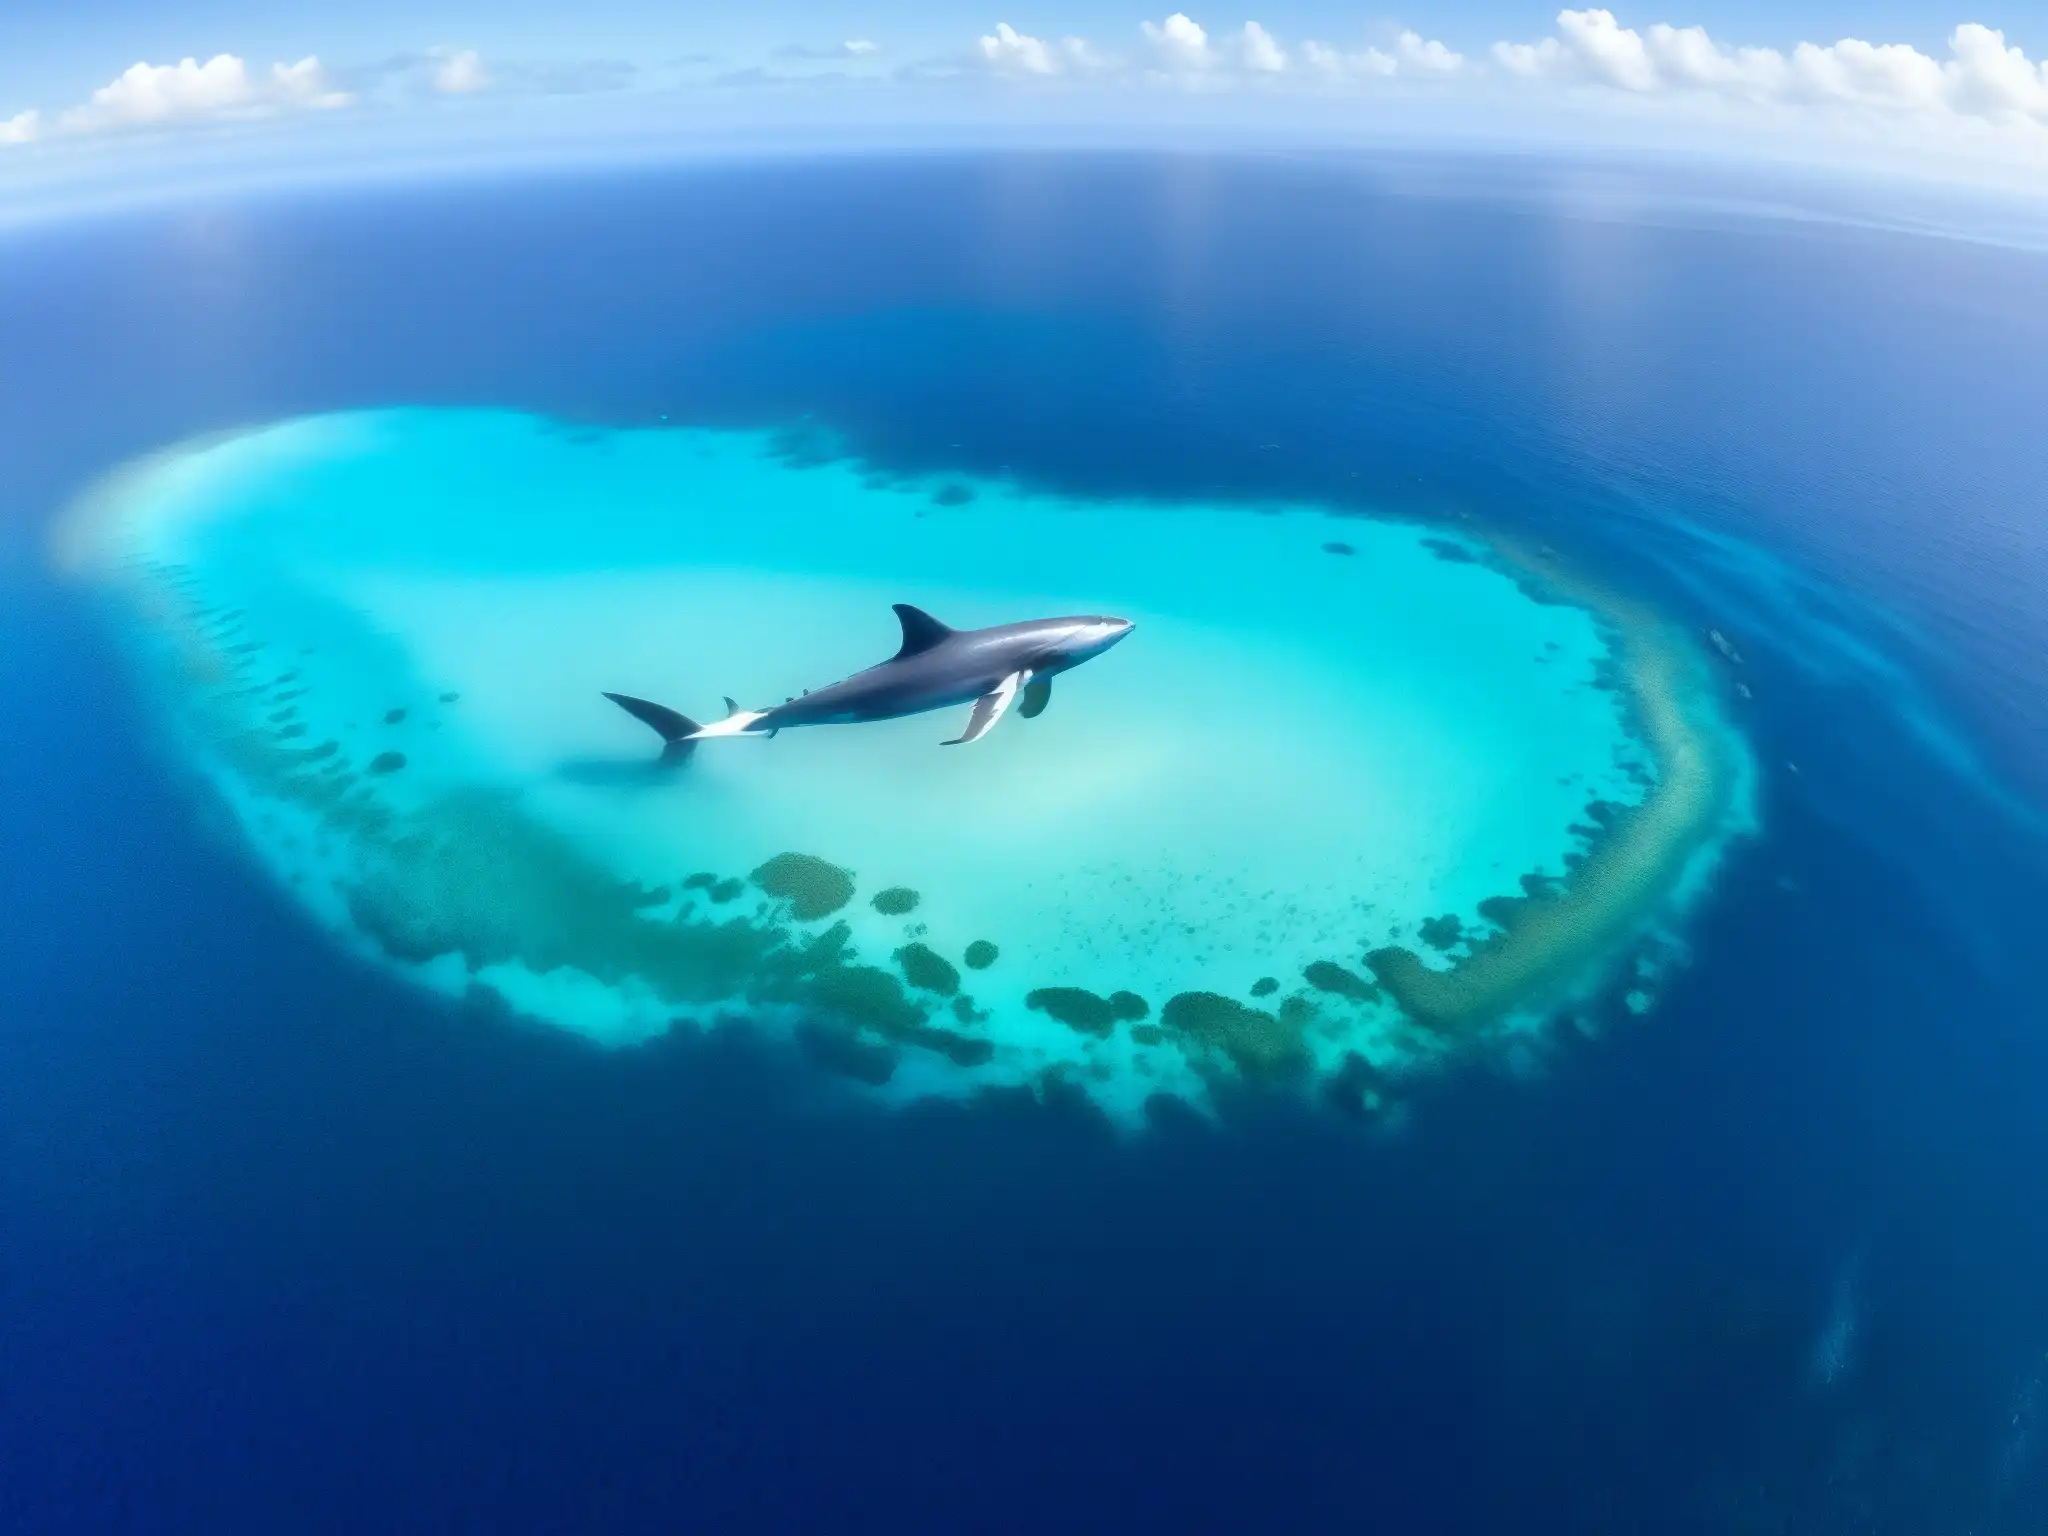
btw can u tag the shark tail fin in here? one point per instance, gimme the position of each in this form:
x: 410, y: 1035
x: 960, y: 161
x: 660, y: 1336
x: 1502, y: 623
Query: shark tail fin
x: 675, y: 729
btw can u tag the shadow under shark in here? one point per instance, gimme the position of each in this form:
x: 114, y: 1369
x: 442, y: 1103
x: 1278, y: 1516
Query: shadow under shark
x: 936, y: 667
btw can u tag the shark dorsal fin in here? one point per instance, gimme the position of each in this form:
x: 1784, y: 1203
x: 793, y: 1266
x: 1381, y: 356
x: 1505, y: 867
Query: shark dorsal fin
x: 920, y: 630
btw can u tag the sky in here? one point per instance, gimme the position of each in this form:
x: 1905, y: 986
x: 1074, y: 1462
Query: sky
x: 98, y: 91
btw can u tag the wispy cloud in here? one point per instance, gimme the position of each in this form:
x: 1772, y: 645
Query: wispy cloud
x: 1179, y: 49
x: 852, y: 48
x: 1409, y: 54
x: 461, y: 74
x: 453, y: 72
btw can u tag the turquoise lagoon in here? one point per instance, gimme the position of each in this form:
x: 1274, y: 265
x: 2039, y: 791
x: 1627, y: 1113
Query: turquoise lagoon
x: 1357, y: 796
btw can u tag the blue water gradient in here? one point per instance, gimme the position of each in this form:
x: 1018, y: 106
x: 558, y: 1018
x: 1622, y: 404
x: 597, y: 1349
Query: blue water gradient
x: 283, y: 1246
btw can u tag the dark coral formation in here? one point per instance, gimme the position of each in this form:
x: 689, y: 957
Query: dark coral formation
x: 1336, y: 547
x: 722, y: 891
x: 1265, y: 986
x: 1128, y: 1005
x: 859, y: 992
x: 1328, y: 976
x: 1503, y: 911
x: 953, y: 495
x: 1441, y: 932
x: 394, y: 717
x: 1075, y: 1007
x: 1445, y: 549
x: 925, y: 967
x: 387, y: 762
x: 832, y: 947
x: 813, y: 888
x: 840, y: 1050
x: 1356, y: 1088
x: 961, y: 1050
x: 895, y: 901
x: 1296, y: 1012
x: 980, y: 955
x: 479, y: 880
x: 1258, y: 1043
x: 806, y: 445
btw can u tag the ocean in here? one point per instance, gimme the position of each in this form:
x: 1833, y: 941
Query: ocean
x: 289, y: 1242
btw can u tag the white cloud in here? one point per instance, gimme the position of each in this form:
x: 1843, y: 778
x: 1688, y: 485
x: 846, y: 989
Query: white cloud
x: 1180, y: 42
x: 460, y: 74
x: 150, y: 95
x: 1529, y: 60
x: 1008, y: 49
x: 1426, y: 56
x: 1981, y: 95
x: 157, y: 93
x: 304, y: 84
x: 1609, y: 51
x: 1988, y: 79
x: 1982, y: 77
x: 1868, y: 74
x: 1261, y: 54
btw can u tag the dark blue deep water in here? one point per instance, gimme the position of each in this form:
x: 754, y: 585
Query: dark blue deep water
x: 286, y: 1248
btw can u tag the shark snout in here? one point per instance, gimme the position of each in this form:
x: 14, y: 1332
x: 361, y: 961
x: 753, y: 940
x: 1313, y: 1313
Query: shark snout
x: 1109, y: 631
x: 1093, y: 637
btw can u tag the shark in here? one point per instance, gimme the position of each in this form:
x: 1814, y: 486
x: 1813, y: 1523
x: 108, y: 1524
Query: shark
x: 936, y: 667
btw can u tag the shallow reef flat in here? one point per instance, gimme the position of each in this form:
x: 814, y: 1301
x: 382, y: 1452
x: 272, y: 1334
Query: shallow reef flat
x: 1357, y: 795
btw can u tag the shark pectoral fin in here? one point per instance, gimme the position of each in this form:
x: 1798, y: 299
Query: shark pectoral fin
x: 1037, y: 694
x: 988, y: 709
